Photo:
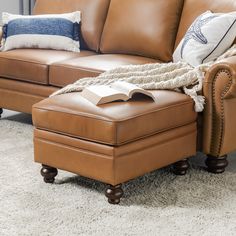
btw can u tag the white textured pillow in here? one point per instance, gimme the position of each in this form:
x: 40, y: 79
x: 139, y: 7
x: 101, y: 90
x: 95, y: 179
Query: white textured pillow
x: 210, y: 35
x: 54, y: 31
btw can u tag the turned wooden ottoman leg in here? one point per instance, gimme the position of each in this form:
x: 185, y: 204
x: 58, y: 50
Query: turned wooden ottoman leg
x: 181, y: 167
x: 216, y: 165
x: 114, y: 193
x: 1, y: 111
x: 49, y: 173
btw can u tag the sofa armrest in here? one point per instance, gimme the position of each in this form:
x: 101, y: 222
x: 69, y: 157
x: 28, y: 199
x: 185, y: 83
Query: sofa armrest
x: 1, y: 33
x: 219, y: 126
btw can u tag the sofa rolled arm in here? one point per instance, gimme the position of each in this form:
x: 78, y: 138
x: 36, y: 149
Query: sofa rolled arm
x: 1, y: 34
x: 219, y: 126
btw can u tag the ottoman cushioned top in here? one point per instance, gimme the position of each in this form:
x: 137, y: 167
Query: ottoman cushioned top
x: 115, y: 123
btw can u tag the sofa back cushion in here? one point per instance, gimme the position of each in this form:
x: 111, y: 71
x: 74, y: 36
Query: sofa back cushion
x: 93, y: 16
x: 142, y: 27
x: 192, y: 9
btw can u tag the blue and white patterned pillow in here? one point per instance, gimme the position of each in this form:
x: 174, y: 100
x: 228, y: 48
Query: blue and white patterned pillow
x: 209, y: 36
x: 53, y: 31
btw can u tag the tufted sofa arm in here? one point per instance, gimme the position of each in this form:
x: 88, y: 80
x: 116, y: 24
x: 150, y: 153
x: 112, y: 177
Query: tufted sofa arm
x: 219, y: 126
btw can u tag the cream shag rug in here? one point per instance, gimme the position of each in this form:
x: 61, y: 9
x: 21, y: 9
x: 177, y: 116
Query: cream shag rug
x: 156, y: 204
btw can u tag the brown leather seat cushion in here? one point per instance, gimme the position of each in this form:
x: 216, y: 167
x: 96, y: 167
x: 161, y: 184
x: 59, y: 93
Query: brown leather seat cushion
x: 69, y: 71
x: 114, y: 123
x: 142, y: 27
x: 32, y: 65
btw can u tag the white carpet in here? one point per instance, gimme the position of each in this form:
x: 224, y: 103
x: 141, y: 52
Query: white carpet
x: 157, y: 204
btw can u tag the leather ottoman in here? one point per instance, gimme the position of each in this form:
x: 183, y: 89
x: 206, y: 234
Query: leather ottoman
x: 115, y: 142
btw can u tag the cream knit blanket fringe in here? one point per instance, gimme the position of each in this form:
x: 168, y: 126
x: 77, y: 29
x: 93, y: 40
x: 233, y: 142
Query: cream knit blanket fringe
x: 172, y: 76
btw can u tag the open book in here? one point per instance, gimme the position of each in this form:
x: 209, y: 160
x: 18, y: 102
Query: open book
x: 120, y: 90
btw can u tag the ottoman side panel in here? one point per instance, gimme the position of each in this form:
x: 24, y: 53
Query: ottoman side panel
x: 75, y: 156
x: 146, y: 155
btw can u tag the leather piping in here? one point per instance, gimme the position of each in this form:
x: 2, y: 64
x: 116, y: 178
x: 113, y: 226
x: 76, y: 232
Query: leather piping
x: 115, y: 142
x: 113, y: 147
x: 69, y: 111
x: 102, y: 155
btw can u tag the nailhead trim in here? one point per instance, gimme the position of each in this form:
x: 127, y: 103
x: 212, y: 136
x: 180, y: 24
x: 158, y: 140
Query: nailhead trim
x: 222, y: 114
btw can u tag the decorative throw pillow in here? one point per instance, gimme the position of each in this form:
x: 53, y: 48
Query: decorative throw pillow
x: 54, y: 31
x: 210, y: 35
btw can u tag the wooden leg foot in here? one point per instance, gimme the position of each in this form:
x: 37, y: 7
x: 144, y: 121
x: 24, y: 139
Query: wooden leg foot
x: 114, y: 194
x: 49, y: 173
x: 181, y: 167
x: 216, y: 165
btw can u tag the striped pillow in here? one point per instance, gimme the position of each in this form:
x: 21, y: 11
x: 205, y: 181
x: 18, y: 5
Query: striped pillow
x: 54, y: 31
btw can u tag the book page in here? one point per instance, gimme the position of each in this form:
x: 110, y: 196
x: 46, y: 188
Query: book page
x: 102, y: 90
x: 126, y: 88
x: 130, y: 89
x: 100, y: 94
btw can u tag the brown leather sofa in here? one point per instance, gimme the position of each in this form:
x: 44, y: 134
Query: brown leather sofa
x: 120, y: 32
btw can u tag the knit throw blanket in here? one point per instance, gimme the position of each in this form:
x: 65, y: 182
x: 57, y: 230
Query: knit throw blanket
x: 172, y: 76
